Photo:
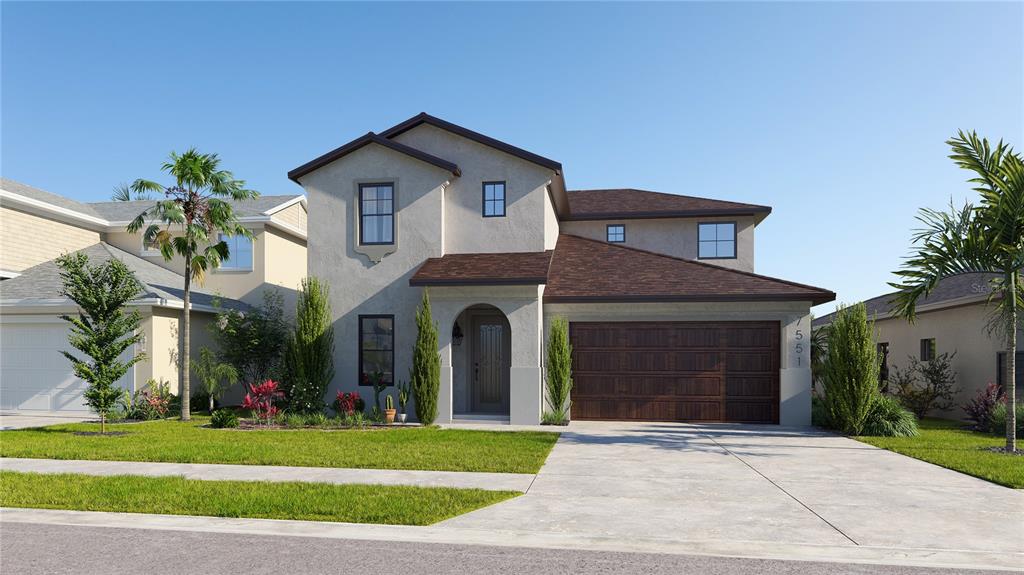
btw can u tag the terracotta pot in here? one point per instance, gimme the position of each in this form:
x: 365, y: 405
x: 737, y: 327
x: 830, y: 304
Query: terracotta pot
x: 389, y: 416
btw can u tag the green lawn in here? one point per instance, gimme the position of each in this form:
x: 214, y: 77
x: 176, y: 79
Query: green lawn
x: 396, y: 505
x: 946, y: 443
x: 428, y: 448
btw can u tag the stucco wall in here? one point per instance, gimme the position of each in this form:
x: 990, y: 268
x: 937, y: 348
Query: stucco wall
x: 359, y: 286
x: 794, y: 319
x: 467, y: 231
x: 962, y: 330
x: 162, y: 328
x: 27, y: 240
x: 672, y: 236
x: 551, y: 226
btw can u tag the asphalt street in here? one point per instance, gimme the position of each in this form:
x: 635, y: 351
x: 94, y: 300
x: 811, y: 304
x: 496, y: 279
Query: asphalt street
x: 27, y: 548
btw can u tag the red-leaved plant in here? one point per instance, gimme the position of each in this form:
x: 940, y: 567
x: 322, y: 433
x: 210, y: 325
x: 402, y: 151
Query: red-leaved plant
x: 979, y: 408
x: 346, y: 402
x: 260, y: 400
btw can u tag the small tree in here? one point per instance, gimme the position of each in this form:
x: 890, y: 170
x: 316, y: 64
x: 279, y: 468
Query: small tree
x: 309, y: 358
x: 927, y: 385
x: 850, y: 370
x: 425, y: 373
x: 214, y: 376
x: 102, y: 330
x: 559, y: 371
x: 253, y: 342
x: 194, y: 210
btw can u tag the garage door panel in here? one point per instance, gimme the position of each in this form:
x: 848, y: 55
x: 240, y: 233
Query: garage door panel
x: 676, y: 371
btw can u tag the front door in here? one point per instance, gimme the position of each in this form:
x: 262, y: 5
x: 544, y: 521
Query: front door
x: 491, y: 361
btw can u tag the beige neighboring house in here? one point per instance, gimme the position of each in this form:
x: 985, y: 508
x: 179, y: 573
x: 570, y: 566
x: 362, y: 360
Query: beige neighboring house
x: 954, y: 318
x: 37, y: 226
x: 667, y: 318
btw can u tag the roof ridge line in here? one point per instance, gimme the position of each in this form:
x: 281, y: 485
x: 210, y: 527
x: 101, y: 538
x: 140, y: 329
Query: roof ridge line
x: 704, y: 264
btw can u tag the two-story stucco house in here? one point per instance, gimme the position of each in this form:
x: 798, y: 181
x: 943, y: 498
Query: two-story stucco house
x: 668, y: 320
x: 37, y: 226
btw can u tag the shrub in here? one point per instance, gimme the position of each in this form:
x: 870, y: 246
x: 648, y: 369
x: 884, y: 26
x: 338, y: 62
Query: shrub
x: 819, y: 415
x: 979, y: 408
x: 214, y: 377
x: 425, y: 374
x: 850, y: 370
x: 318, y: 419
x: 260, y: 401
x: 348, y: 402
x: 253, y: 341
x: 559, y: 373
x: 309, y: 354
x: 888, y: 418
x: 998, y: 423
x: 927, y: 385
x: 224, y: 418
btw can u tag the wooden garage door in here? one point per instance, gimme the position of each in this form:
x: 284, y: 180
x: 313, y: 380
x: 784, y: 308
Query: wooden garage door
x: 676, y: 371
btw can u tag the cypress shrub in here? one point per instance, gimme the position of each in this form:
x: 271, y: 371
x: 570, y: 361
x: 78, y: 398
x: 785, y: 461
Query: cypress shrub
x: 309, y: 356
x: 559, y: 372
x: 850, y: 370
x: 425, y: 373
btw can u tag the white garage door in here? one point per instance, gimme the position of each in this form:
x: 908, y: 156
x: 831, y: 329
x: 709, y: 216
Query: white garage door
x: 34, y: 375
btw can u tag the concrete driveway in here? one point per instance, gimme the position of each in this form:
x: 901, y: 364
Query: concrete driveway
x: 757, y: 486
x: 26, y: 419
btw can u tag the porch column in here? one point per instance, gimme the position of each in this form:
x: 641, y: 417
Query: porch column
x: 444, y: 317
x: 525, y: 315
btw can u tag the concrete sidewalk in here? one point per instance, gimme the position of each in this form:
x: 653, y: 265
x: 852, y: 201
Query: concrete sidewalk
x: 219, y: 472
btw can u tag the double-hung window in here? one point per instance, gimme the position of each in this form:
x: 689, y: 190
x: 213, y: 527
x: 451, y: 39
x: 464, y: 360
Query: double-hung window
x: 239, y: 253
x: 376, y: 214
x: 716, y: 240
x: 494, y: 199
x: 376, y: 348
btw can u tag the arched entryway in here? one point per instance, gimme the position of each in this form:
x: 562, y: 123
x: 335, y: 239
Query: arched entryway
x: 481, y: 362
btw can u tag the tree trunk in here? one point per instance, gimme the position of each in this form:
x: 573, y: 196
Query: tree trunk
x: 211, y: 404
x: 1011, y: 368
x: 184, y: 390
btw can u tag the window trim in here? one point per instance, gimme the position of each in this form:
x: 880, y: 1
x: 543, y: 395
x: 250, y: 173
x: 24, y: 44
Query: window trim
x: 735, y: 240
x: 607, y: 233
x: 933, y: 348
x: 237, y: 269
x: 359, y: 346
x: 362, y: 228
x: 147, y: 252
x: 504, y: 198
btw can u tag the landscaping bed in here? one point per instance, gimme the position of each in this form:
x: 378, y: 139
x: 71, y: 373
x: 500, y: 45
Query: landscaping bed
x: 948, y: 444
x: 395, y: 447
x: 385, y: 504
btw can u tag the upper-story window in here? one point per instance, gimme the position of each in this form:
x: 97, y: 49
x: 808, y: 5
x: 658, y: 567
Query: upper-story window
x: 239, y: 253
x: 928, y: 349
x: 494, y: 199
x: 716, y: 240
x: 376, y: 214
x: 616, y: 233
x: 150, y: 248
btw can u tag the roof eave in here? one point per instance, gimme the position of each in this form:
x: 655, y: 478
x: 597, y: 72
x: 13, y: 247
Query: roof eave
x: 365, y: 140
x: 434, y: 282
x: 593, y: 216
x: 814, y: 299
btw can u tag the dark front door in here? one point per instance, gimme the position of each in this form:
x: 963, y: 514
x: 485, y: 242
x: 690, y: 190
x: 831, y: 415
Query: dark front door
x: 676, y: 371
x: 491, y: 361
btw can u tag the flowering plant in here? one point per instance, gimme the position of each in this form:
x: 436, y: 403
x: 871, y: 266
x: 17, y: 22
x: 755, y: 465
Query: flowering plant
x: 260, y: 400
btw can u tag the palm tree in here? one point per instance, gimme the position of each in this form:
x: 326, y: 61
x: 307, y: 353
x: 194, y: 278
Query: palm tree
x: 987, y: 238
x: 215, y: 376
x: 124, y: 193
x: 194, y: 211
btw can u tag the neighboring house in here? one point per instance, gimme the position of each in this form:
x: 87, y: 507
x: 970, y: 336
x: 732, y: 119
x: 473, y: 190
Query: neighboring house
x: 667, y: 319
x: 954, y: 318
x: 36, y: 227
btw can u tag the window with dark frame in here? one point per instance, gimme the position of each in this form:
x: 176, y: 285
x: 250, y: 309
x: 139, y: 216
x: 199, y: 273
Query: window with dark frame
x: 376, y: 214
x: 928, y: 349
x: 616, y: 233
x: 716, y: 240
x: 376, y: 347
x: 494, y: 199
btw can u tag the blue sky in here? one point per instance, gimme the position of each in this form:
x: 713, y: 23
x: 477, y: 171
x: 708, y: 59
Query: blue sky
x: 835, y: 114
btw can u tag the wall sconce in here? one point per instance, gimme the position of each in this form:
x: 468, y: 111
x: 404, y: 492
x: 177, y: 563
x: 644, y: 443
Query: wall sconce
x: 457, y: 334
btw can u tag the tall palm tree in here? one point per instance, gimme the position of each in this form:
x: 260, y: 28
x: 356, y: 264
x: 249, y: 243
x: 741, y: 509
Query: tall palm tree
x: 194, y: 211
x: 988, y: 238
x: 124, y: 193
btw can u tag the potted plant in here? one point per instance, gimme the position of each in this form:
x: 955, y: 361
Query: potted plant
x: 389, y: 410
x: 403, y: 401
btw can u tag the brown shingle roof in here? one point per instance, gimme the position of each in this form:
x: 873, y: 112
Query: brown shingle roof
x: 520, y: 268
x: 585, y: 270
x: 635, y: 204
